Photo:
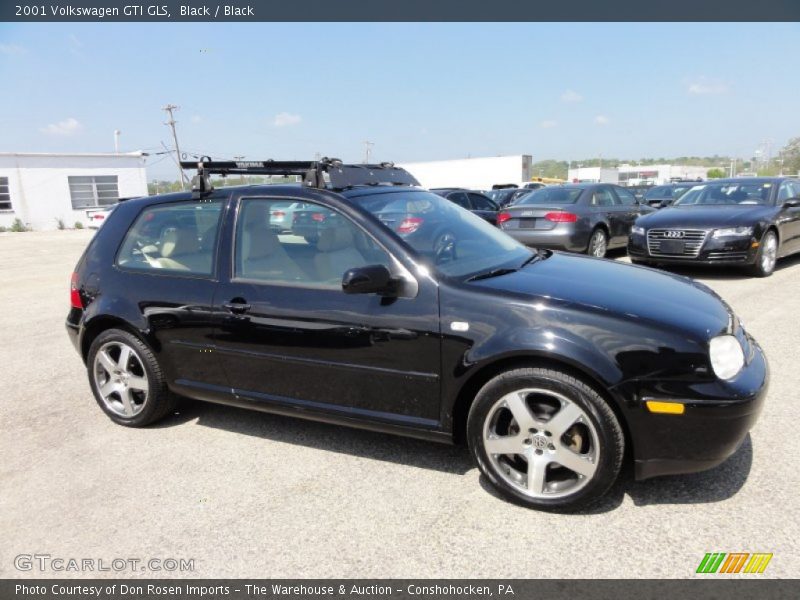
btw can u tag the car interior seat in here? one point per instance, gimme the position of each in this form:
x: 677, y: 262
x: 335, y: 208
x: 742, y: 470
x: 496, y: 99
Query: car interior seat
x: 263, y: 255
x: 179, y: 250
x: 337, y: 253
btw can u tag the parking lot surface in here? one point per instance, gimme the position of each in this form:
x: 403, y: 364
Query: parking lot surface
x: 248, y: 494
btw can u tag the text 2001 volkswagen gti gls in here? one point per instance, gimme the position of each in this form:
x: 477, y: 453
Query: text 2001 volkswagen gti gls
x: 407, y: 314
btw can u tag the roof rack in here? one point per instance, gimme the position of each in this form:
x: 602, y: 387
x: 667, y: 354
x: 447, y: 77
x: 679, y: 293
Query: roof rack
x: 325, y: 173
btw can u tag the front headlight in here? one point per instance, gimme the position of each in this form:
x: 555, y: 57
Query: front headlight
x: 727, y: 356
x: 733, y: 232
x: 637, y: 230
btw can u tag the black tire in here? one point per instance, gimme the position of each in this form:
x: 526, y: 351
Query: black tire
x: 158, y: 402
x: 598, y: 242
x: 609, y: 436
x: 764, y: 267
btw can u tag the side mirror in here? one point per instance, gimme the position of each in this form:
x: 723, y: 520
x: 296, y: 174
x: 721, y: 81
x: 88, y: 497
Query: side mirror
x: 792, y: 203
x: 372, y: 279
x: 665, y: 203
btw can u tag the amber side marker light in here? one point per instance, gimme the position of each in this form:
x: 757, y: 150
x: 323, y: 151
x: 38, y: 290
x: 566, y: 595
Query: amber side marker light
x: 665, y: 408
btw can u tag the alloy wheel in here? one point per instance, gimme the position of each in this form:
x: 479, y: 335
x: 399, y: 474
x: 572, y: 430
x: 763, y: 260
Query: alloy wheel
x: 770, y: 253
x: 541, y: 443
x: 120, y: 379
x: 598, y: 244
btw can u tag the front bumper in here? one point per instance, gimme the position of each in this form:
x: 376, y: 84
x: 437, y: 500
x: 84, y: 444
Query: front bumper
x: 718, y: 415
x: 715, y: 251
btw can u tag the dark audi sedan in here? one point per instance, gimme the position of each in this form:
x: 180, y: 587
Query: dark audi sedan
x: 750, y: 222
x: 587, y: 217
x: 551, y: 367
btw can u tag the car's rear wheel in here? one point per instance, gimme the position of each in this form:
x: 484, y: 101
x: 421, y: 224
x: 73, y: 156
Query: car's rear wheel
x: 767, y: 255
x: 545, y: 439
x: 127, y: 380
x: 598, y: 244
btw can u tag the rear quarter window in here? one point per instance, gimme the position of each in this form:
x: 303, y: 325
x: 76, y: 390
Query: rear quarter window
x: 179, y: 238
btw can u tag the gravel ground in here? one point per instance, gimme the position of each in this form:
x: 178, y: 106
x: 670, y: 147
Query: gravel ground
x: 247, y: 494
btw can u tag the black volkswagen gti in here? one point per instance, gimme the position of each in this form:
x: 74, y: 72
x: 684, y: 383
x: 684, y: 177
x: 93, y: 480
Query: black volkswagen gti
x: 551, y: 367
x: 749, y: 222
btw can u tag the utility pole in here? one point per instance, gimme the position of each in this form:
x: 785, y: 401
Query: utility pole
x: 116, y: 140
x: 169, y: 108
x: 367, y: 149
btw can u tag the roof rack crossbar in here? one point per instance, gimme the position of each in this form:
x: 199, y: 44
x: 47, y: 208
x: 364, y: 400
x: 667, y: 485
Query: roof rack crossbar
x: 326, y: 172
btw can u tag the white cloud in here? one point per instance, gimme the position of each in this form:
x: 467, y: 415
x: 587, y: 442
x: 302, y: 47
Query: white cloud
x: 548, y: 124
x: 12, y: 49
x: 68, y: 126
x: 75, y: 44
x: 571, y: 96
x: 601, y: 120
x: 702, y: 86
x: 286, y: 119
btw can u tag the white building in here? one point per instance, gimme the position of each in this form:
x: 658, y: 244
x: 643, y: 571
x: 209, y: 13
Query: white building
x: 593, y: 175
x: 473, y: 173
x: 658, y: 174
x: 40, y: 188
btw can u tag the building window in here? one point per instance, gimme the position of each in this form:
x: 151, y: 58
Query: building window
x: 88, y: 192
x: 5, y: 196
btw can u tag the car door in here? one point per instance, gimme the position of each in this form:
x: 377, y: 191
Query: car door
x: 788, y: 218
x: 483, y: 207
x: 290, y: 337
x: 602, y: 204
x: 628, y: 210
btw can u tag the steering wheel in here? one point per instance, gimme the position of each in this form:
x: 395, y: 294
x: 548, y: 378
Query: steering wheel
x: 444, y: 247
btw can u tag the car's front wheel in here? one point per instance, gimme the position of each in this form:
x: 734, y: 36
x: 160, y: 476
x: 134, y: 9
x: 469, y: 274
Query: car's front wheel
x: 545, y: 439
x: 127, y: 380
x: 767, y: 255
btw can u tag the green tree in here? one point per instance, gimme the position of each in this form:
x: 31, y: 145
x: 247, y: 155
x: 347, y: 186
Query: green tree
x: 715, y: 174
x: 790, y: 154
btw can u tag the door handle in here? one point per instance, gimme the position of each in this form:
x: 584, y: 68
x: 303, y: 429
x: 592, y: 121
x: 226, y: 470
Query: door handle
x: 237, y: 307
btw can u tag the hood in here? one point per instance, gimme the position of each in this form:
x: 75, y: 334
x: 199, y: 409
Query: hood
x: 705, y: 217
x: 623, y: 290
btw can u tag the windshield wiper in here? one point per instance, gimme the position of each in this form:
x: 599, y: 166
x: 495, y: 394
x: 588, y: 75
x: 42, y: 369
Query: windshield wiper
x: 532, y: 258
x: 492, y: 273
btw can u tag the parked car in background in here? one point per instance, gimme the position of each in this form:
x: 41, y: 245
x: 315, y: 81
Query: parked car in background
x: 552, y: 368
x: 98, y: 216
x: 478, y: 203
x: 532, y: 185
x: 584, y: 217
x: 281, y: 217
x: 507, y: 196
x: 639, y: 190
x: 663, y: 195
x: 749, y: 222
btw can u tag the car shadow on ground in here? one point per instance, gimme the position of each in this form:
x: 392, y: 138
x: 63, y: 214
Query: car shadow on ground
x: 323, y: 436
x: 715, y: 485
x: 721, y: 273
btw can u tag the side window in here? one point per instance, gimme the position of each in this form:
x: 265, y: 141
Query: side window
x: 460, y: 198
x: 795, y: 186
x: 480, y: 202
x: 785, y: 192
x: 178, y: 237
x: 602, y: 197
x: 625, y: 196
x: 313, y: 249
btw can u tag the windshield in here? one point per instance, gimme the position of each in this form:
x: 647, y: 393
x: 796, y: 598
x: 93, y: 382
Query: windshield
x: 727, y: 194
x: 451, y: 238
x: 551, y: 195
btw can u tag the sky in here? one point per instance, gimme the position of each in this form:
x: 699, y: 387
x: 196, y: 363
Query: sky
x: 417, y: 91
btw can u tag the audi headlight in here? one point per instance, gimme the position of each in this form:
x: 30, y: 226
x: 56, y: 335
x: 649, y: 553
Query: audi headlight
x: 733, y: 232
x: 637, y: 230
x: 727, y: 356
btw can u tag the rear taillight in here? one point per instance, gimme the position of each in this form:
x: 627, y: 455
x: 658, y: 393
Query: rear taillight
x: 279, y: 214
x: 409, y: 225
x: 561, y: 217
x: 74, y: 295
x: 99, y: 217
x: 503, y: 217
x: 318, y: 217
